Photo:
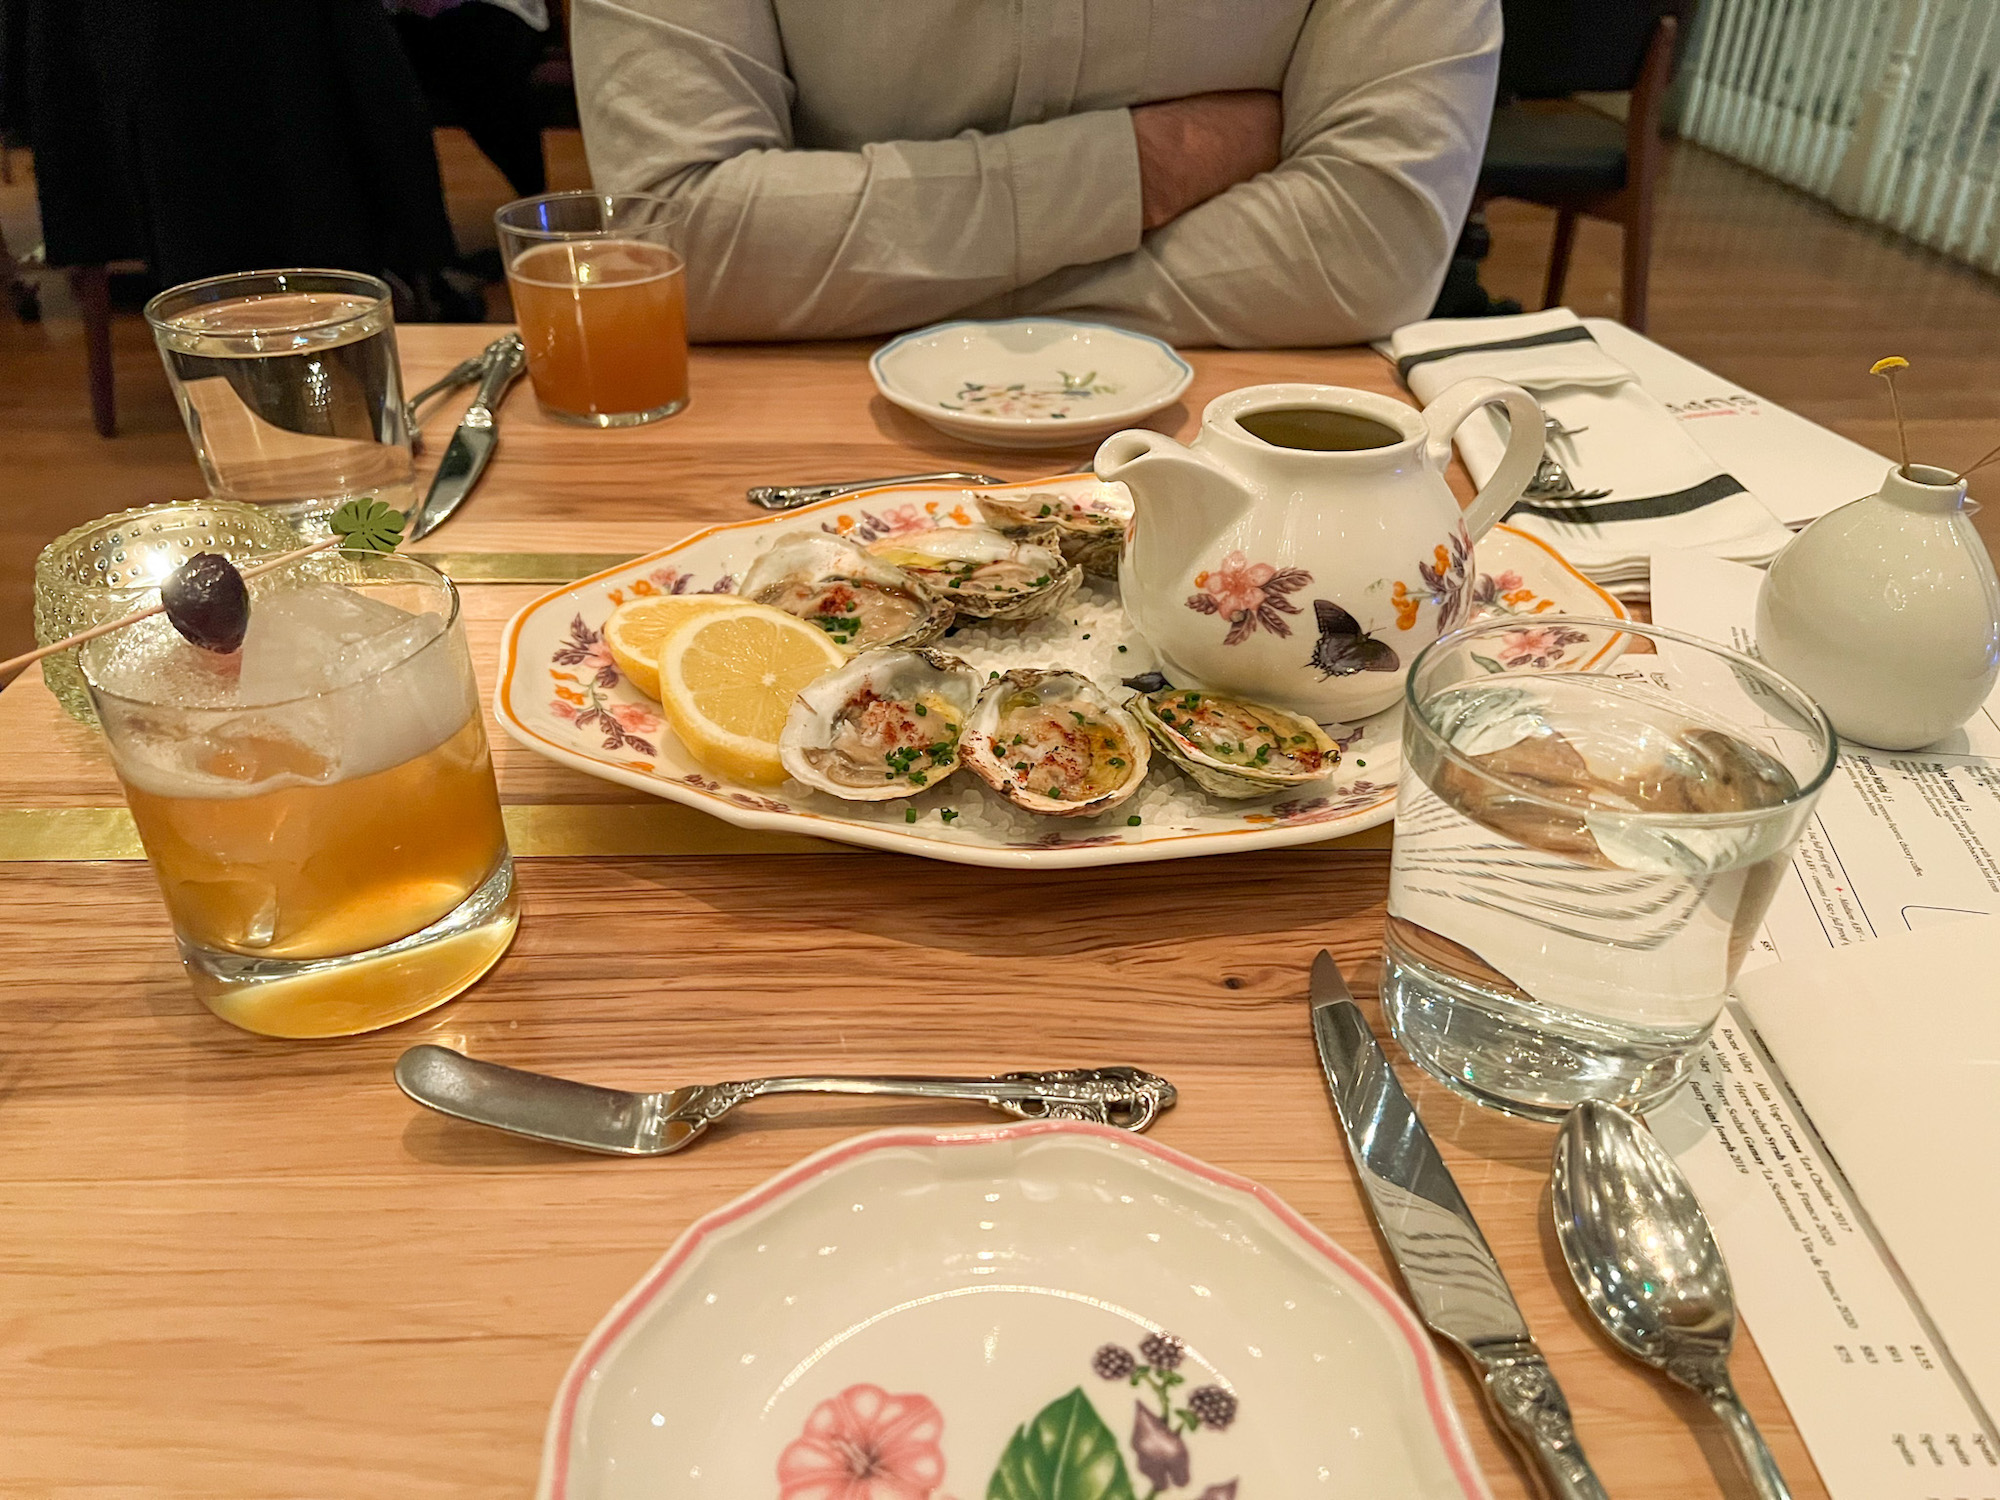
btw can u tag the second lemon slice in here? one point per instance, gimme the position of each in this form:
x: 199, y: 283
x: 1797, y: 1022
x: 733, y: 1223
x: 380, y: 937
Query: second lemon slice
x: 727, y: 679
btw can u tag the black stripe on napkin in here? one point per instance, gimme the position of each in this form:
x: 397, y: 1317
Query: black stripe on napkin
x: 1574, y: 335
x: 1596, y: 512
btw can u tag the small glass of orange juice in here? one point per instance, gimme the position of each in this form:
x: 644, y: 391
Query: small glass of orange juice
x: 600, y: 293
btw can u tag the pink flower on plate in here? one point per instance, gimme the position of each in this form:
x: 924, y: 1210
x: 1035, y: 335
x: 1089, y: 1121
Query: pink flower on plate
x: 562, y: 710
x: 1537, y: 645
x: 635, y: 716
x: 865, y: 1444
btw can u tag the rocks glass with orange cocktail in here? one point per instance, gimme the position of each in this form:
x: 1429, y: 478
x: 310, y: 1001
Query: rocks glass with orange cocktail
x: 600, y: 294
x: 309, y: 773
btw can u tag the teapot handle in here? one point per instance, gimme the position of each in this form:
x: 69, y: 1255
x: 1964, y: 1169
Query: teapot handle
x: 1444, y: 416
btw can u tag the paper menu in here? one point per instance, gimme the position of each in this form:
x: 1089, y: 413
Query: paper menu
x: 1899, y: 843
x: 1851, y: 1351
x: 1894, y: 1050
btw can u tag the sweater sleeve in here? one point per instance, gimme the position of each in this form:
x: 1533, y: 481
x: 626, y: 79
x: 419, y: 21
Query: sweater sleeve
x: 1386, y: 107
x: 690, y: 100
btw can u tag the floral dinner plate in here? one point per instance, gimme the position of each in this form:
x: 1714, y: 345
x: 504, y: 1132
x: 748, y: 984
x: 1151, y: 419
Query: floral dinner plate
x: 1037, y: 1310
x: 1029, y: 382
x: 560, y: 694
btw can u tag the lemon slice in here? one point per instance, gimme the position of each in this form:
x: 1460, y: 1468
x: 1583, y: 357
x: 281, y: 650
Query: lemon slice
x: 727, y: 679
x: 633, y: 633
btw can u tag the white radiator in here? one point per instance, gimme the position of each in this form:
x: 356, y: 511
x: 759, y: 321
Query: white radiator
x: 1889, y: 109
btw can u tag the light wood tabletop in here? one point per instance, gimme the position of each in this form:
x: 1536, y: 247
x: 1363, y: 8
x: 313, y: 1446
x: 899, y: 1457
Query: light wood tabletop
x: 239, y: 1267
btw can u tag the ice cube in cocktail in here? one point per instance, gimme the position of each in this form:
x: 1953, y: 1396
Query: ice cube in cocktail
x: 319, y: 806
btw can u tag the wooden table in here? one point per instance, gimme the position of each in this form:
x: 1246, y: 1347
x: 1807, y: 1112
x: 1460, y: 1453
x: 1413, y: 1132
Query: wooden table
x: 239, y: 1267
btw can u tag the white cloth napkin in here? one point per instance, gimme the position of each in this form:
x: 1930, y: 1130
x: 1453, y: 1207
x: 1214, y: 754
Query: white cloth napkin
x: 1892, y: 1046
x: 1665, y: 489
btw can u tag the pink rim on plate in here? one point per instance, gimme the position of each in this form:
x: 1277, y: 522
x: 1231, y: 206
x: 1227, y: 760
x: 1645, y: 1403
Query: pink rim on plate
x: 658, y: 1281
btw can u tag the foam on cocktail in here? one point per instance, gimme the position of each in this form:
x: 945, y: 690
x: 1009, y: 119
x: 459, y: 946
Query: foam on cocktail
x: 318, y: 703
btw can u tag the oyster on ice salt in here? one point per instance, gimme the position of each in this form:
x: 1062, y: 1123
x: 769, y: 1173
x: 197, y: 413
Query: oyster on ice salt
x: 1234, y: 748
x: 984, y: 575
x: 1089, y: 525
x: 860, y: 601
x: 1053, y: 742
x: 885, y: 725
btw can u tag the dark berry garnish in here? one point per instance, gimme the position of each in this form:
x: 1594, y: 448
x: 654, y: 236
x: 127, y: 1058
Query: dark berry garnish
x: 1113, y: 1362
x: 208, y: 602
x: 1162, y: 1350
x: 1215, y: 1406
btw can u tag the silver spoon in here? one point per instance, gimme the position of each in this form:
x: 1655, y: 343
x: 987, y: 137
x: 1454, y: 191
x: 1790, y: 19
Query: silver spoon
x: 618, y: 1123
x: 1646, y: 1262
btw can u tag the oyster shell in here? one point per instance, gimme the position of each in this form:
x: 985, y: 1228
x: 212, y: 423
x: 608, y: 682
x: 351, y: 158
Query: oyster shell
x: 1055, y: 743
x: 860, y: 601
x: 1089, y: 526
x: 1232, y: 747
x: 984, y: 575
x: 885, y: 725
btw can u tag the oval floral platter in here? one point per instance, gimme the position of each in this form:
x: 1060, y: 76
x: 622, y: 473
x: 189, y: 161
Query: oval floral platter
x: 1044, y: 1309
x: 559, y: 693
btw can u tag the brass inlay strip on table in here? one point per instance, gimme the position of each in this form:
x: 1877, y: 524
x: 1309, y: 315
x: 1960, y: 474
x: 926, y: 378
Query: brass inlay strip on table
x: 522, y: 567
x: 536, y: 830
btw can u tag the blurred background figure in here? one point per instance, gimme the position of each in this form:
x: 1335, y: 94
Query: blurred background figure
x: 234, y: 134
x: 476, y: 60
x: 1269, y: 173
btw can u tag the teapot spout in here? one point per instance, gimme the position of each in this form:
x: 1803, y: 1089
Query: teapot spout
x: 1176, y: 491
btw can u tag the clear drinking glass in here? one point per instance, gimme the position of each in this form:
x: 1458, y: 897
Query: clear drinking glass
x: 600, y: 293
x: 319, y: 806
x: 290, y: 388
x: 1582, y: 859
x: 115, y: 564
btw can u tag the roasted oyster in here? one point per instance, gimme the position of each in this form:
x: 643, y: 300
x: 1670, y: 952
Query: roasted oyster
x: 862, y: 602
x: 1053, y: 742
x: 885, y: 725
x: 1234, y: 748
x: 1089, y: 525
x: 984, y: 575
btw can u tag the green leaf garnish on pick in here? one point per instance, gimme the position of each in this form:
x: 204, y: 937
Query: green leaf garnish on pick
x: 367, y: 526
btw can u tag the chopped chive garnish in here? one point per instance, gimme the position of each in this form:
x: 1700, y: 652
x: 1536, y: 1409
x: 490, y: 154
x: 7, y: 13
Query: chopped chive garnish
x: 1133, y: 821
x: 909, y: 815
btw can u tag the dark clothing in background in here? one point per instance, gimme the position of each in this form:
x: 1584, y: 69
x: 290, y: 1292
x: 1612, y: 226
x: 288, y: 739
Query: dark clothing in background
x: 211, y: 136
x: 476, y: 63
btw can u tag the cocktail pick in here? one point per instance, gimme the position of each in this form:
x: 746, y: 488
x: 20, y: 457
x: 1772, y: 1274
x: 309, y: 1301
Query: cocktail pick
x: 359, y: 526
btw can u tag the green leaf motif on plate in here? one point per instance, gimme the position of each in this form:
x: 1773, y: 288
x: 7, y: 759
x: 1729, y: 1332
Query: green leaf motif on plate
x: 1066, y: 1453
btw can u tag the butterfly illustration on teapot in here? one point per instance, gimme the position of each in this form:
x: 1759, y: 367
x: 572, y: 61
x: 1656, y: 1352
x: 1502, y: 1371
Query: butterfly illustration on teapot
x: 1306, y: 547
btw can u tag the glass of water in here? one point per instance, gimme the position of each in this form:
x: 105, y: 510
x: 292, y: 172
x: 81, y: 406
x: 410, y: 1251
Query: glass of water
x: 1582, y: 858
x: 290, y: 388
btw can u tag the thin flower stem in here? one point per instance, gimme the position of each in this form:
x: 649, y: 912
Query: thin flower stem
x: 14, y: 664
x: 1982, y: 463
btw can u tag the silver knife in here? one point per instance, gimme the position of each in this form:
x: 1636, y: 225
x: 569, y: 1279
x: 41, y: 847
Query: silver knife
x: 1451, y: 1274
x: 472, y: 445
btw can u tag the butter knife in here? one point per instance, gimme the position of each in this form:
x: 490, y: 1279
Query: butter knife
x: 472, y: 445
x: 1451, y: 1274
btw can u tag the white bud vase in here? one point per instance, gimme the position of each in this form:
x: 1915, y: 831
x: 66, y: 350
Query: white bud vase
x: 1888, y: 612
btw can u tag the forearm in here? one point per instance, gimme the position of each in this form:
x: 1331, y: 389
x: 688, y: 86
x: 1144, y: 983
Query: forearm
x: 824, y: 244
x: 1350, y: 235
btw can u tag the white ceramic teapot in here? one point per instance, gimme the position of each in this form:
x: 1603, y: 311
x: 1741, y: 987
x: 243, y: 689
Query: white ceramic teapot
x: 1306, y: 547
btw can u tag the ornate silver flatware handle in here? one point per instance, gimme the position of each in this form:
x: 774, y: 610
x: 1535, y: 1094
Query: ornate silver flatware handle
x: 1125, y: 1097
x: 1531, y: 1403
x: 586, y: 1117
x: 792, y: 496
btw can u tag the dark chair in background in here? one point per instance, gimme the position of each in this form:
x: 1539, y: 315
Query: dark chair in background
x: 1546, y: 148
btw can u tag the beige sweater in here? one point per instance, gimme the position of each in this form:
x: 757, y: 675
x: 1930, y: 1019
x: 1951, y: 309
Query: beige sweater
x: 855, y: 167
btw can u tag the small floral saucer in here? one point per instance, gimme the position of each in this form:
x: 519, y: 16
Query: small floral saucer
x: 1046, y: 1309
x: 1029, y: 382
x: 559, y: 693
